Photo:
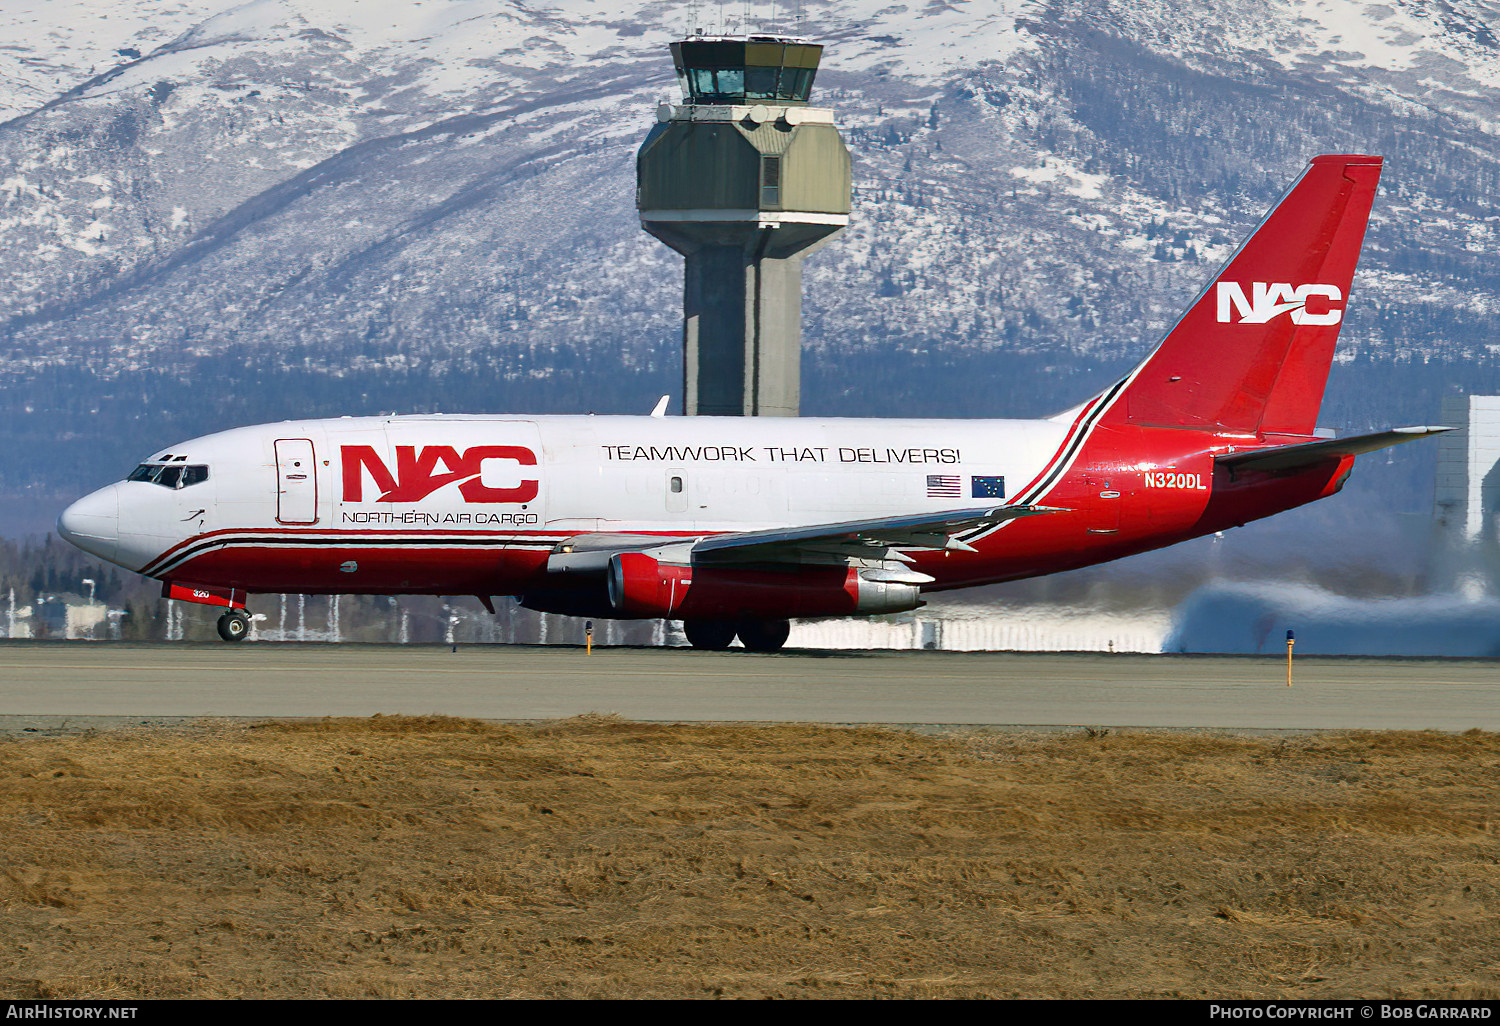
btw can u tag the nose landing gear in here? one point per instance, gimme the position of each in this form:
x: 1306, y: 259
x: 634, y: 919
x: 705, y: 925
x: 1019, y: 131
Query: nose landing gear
x: 234, y: 625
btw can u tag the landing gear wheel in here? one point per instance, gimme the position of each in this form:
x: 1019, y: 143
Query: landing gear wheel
x: 764, y: 635
x: 234, y: 625
x: 713, y: 635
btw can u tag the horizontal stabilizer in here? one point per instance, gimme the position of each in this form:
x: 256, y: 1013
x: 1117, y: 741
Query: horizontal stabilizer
x: 1305, y: 454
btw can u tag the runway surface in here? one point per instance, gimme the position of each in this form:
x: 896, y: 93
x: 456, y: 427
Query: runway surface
x: 67, y: 685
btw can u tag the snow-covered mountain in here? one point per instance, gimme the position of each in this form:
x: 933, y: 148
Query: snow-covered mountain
x: 215, y: 212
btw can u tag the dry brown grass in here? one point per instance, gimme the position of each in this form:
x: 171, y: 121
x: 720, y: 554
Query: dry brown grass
x: 435, y: 857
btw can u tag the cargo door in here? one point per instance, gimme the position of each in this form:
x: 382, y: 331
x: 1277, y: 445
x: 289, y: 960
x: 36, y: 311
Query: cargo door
x: 296, y: 482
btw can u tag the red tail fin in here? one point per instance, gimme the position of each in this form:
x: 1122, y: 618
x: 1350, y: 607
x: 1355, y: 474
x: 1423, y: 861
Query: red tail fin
x: 1252, y: 352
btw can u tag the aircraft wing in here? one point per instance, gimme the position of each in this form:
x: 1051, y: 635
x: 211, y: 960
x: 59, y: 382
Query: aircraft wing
x: 880, y: 538
x: 1305, y: 454
x: 861, y: 538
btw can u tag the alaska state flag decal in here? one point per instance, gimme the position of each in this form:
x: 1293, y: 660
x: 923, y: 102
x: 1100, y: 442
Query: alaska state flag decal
x: 988, y: 487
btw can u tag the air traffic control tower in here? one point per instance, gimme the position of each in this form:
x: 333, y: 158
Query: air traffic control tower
x: 745, y: 180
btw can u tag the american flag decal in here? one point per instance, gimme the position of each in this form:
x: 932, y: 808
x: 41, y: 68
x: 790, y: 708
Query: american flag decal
x: 943, y: 486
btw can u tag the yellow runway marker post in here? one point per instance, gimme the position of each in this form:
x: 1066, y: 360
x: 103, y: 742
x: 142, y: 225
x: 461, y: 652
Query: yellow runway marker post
x: 1290, y: 641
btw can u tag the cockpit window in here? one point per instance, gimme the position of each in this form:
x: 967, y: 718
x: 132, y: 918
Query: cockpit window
x: 172, y: 476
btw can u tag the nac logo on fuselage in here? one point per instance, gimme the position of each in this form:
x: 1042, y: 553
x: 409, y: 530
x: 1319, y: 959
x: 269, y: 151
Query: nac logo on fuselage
x: 1272, y: 299
x: 417, y: 475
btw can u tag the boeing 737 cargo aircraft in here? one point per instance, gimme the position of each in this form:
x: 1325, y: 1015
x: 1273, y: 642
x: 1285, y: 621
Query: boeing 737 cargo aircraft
x: 737, y: 526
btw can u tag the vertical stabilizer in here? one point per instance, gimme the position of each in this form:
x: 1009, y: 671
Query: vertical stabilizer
x: 1251, y: 355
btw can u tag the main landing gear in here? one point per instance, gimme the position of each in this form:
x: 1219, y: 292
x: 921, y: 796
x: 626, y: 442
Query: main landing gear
x: 234, y: 625
x: 755, y: 635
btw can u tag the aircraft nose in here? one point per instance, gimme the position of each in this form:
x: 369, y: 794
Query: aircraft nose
x: 93, y: 523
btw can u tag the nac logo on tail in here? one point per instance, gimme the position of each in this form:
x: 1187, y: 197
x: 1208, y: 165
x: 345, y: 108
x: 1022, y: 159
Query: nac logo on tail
x: 1268, y: 300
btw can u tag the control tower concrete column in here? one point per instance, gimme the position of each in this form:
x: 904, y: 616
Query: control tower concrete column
x: 745, y: 180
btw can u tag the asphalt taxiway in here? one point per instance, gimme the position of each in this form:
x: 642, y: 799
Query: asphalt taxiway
x: 63, y: 685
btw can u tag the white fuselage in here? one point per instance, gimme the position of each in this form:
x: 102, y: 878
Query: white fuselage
x: 540, y: 480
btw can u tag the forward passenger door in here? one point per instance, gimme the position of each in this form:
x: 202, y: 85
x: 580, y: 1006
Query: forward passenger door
x: 296, y: 481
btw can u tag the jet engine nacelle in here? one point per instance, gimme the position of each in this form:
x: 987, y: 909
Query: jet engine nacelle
x: 641, y: 586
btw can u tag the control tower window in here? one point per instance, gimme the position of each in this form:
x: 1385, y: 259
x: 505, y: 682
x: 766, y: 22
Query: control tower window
x: 796, y: 83
x: 761, y: 69
x: 760, y: 83
x: 731, y: 83
x: 702, y: 80
x: 770, y: 181
x: 721, y: 86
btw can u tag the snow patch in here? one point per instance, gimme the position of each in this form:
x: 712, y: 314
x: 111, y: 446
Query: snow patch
x: 1073, y: 181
